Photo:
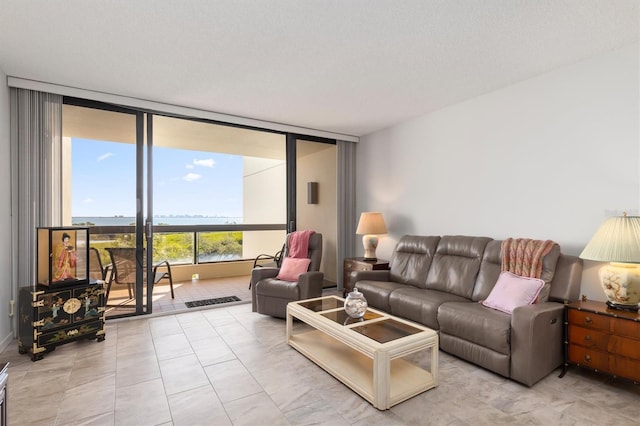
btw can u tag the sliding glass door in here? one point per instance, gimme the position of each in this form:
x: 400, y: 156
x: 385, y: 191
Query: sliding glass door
x: 104, y: 187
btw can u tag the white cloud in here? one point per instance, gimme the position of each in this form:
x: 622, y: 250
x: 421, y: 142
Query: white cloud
x: 190, y: 177
x: 190, y: 166
x: 209, y: 162
x: 88, y: 201
x: 105, y: 156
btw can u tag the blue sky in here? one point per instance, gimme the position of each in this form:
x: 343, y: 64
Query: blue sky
x: 186, y: 182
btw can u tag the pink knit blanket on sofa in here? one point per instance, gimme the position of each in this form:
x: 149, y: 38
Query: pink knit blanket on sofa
x: 523, y: 256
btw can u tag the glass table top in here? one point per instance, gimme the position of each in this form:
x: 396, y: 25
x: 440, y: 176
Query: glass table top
x: 386, y: 330
x: 324, y: 304
x: 341, y: 317
x: 382, y: 331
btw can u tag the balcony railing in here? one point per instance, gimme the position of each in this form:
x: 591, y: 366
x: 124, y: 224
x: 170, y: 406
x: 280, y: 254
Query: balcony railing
x: 195, y: 244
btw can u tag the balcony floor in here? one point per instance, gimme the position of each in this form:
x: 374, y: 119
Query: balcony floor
x: 119, y: 302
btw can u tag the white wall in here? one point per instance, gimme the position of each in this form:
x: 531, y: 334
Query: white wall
x: 547, y: 158
x: 264, y: 200
x: 6, y: 284
x: 320, y: 166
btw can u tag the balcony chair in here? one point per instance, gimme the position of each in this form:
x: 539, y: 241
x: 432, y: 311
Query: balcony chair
x: 97, y: 271
x: 123, y: 262
x: 272, y: 260
x: 270, y: 295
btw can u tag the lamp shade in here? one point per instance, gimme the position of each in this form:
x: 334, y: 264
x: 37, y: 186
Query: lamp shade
x: 617, y: 240
x: 371, y: 223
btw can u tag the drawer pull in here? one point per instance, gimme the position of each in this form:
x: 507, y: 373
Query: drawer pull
x: 587, y: 358
x: 588, y: 320
x: 587, y: 338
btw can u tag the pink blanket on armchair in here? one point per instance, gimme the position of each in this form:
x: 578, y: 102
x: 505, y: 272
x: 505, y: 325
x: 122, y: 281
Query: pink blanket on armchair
x: 299, y: 243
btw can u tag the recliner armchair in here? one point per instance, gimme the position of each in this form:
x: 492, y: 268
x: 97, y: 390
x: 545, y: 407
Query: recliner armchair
x: 270, y: 295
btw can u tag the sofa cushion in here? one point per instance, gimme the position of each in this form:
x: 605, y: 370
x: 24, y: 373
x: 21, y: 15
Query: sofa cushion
x: 411, y: 259
x: 456, y: 264
x: 292, y: 267
x: 274, y: 287
x: 490, y: 269
x: 512, y: 291
x: 420, y: 305
x: 475, y: 323
x: 491, y: 266
x: 549, y: 263
x: 377, y: 292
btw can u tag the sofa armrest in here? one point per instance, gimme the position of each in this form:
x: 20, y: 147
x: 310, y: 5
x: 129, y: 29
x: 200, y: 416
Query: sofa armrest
x: 258, y: 274
x: 536, y: 341
x: 355, y: 276
x: 310, y: 284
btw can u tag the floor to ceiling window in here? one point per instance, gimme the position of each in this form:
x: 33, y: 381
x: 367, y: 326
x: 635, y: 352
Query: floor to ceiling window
x: 211, y: 174
x: 211, y: 193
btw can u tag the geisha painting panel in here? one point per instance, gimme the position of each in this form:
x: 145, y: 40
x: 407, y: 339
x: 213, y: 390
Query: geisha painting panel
x: 65, y: 250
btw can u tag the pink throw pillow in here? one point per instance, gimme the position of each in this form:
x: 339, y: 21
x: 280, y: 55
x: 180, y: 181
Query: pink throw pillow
x: 292, y: 267
x: 512, y: 291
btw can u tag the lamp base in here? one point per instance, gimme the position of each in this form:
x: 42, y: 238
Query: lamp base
x: 621, y: 285
x: 621, y: 307
x: 370, y: 243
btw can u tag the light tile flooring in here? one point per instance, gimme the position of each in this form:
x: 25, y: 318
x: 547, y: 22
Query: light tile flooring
x: 227, y: 365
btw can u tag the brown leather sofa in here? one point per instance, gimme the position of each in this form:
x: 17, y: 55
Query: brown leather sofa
x: 439, y: 282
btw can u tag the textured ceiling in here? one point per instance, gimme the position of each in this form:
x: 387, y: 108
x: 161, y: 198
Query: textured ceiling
x: 350, y: 67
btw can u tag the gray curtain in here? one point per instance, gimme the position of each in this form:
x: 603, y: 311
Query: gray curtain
x: 346, y: 204
x: 36, y: 136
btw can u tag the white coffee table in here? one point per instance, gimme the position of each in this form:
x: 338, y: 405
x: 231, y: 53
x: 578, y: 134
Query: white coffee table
x: 368, y: 356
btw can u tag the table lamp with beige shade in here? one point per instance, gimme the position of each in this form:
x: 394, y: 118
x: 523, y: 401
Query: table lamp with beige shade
x: 618, y: 241
x: 371, y: 225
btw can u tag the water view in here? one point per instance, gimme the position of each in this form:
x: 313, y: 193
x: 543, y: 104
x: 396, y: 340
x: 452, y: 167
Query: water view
x: 157, y: 220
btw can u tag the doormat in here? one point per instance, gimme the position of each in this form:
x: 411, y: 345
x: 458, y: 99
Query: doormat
x: 216, y: 301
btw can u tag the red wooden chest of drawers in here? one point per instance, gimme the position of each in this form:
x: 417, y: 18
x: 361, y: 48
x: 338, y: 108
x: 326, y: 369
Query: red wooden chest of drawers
x: 603, y: 339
